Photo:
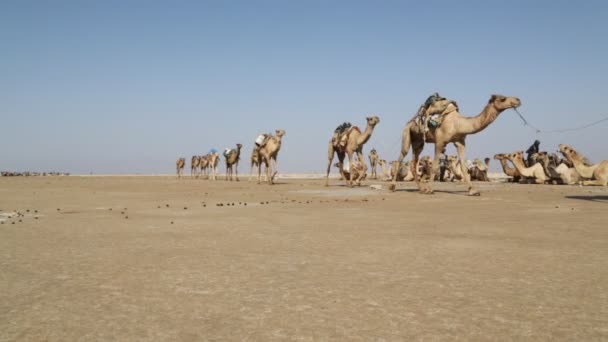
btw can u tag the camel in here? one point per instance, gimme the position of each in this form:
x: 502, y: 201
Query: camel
x: 179, y: 165
x: 596, y: 174
x: 253, y: 160
x: 373, y: 162
x: 351, y: 144
x: 232, y: 161
x: 194, y: 166
x: 479, y: 170
x: 357, y: 169
x: 455, y: 168
x: 425, y: 167
x: 549, y: 164
x: 509, y: 171
x: 385, y: 172
x: 454, y: 128
x: 535, y: 171
x: 204, y: 161
x: 213, y: 160
x: 267, y: 155
x: 568, y: 175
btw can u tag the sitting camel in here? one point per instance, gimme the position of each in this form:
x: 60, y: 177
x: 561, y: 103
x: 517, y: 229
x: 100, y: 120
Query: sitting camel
x: 232, y: 161
x: 596, y: 174
x: 455, y: 168
x: 267, y: 155
x: 479, y: 170
x: 405, y: 173
x: 179, y: 165
x: 349, y: 140
x: 535, y: 171
x: 509, y: 171
x: 549, y: 164
x: 386, y: 173
x: 568, y: 175
x: 358, y: 170
x: 425, y: 169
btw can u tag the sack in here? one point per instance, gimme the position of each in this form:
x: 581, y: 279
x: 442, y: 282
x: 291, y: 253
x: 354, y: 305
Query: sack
x: 260, y: 139
x: 228, y: 152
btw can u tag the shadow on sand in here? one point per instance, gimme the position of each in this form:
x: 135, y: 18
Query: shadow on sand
x: 593, y: 198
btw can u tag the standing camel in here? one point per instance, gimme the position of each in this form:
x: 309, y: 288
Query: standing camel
x: 454, y: 128
x: 204, y: 165
x: 254, y: 160
x: 373, y: 162
x: 232, y: 161
x: 195, y: 162
x: 179, y: 165
x: 214, y: 160
x: 267, y: 155
x: 352, y: 143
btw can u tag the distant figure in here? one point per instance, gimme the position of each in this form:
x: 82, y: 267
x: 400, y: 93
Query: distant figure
x: 532, y: 150
x: 443, y: 165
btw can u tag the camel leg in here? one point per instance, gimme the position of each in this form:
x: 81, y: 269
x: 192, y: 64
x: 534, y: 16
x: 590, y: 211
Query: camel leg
x: 435, y: 168
x: 460, y: 146
x: 362, y: 161
x: 349, y: 181
x: 275, y: 167
x: 597, y: 182
x: 236, y: 171
x: 260, y: 161
x: 417, y: 149
x: 405, y: 147
x: 330, y: 158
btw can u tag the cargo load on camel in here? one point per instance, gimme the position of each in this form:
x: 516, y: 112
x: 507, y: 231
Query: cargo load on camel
x: 262, y: 139
x: 431, y: 113
x: 341, y: 133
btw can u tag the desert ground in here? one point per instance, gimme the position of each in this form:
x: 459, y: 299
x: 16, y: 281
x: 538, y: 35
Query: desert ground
x: 157, y: 258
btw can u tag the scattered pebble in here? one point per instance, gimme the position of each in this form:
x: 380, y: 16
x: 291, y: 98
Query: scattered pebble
x: 167, y: 205
x: 171, y: 222
x: 28, y: 210
x: 126, y: 217
x: 185, y: 208
x: 36, y: 217
x: 20, y: 221
x: 122, y: 213
x: 35, y: 211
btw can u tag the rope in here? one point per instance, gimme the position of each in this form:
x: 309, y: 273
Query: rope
x: 538, y: 130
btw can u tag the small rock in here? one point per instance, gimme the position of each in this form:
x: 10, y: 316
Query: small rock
x: 171, y: 222
x: 185, y: 208
x: 58, y: 209
x: 36, y: 217
x: 126, y: 217
x: 167, y: 205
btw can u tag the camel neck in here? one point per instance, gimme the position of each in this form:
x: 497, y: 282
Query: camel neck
x: 365, y: 135
x: 477, y: 123
x: 584, y: 170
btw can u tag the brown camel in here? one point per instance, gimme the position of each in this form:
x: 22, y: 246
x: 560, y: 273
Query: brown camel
x: 195, y: 162
x: 254, y: 160
x: 596, y: 174
x: 508, y: 170
x: 479, y: 170
x: 232, y: 161
x: 179, y: 165
x: 454, y: 128
x: 535, y: 171
x: 373, y: 162
x: 351, y: 144
x: 455, y: 168
x: 204, y: 165
x: 357, y: 169
x: 267, y: 155
x: 214, y: 160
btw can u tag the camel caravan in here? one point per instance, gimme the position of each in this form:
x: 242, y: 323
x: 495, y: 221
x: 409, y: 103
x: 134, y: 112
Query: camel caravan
x: 438, y: 121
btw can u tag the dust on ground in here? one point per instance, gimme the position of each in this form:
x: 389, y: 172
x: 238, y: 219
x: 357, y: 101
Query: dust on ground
x: 157, y: 258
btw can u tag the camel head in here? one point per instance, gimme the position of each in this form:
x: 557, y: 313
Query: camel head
x: 569, y: 152
x: 372, y: 120
x: 279, y: 132
x: 452, y: 159
x: 382, y: 162
x: 499, y: 156
x: 518, y: 155
x: 501, y: 102
x: 239, y: 146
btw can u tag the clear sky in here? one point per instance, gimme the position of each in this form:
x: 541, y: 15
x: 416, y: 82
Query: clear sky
x: 129, y: 86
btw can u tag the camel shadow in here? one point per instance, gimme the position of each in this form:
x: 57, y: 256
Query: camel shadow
x: 451, y: 192
x: 593, y: 198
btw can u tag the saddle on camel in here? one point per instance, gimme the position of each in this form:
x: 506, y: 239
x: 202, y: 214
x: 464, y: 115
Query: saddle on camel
x: 431, y: 113
x: 341, y: 132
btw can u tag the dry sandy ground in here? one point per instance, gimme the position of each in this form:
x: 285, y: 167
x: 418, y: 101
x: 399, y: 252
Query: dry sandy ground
x: 521, y: 262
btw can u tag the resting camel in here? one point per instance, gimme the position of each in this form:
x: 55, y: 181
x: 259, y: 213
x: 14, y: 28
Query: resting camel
x: 386, y: 173
x: 454, y: 128
x: 455, y: 168
x: 568, y: 175
x: 179, y: 165
x: 194, y: 165
x: 509, y: 171
x: 425, y: 168
x: 535, y: 171
x: 354, y: 145
x: 357, y: 169
x: 373, y: 162
x: 549, y: 164
x: 267, y: 155
x: 596, y: 174
x: 232, y: 161
x: 479, y: 170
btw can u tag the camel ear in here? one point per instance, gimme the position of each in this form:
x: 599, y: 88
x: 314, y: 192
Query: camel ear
x: 493, y: 98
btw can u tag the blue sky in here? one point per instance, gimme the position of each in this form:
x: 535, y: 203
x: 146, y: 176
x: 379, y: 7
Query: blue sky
x: 128, y: 86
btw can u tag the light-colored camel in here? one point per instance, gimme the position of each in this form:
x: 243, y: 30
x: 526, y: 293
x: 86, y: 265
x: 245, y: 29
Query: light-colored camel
x: 535, y: 171
x: 405, y: 171
x: 455, y: 168
x: 508, y: 170
x: 232, y: 163
x: 549, y: 165
x: 596, y: 174
x: 254, y: 160
x: 386, y: 172
x: 425, y: 168
x: 358, y: 170
x: 373, y: 163
x: 267, y: 155
x: 568, y: 175
x: 214, y: 160
x: 454, y: 128
x: 179, y: 165
x: 195, y: 163
x: 354, y: 145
